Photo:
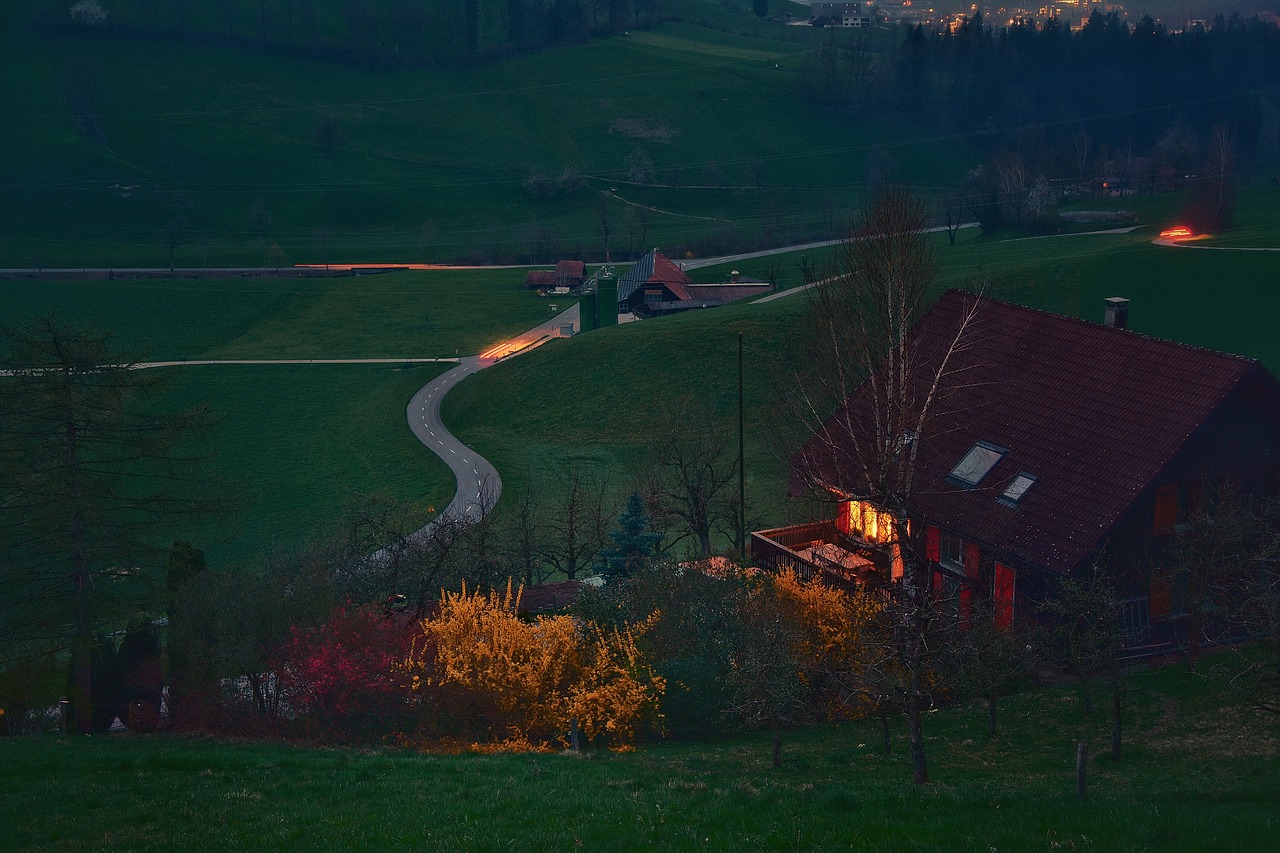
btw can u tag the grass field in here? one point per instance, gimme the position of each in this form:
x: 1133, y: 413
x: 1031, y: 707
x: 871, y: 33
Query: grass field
x: 304, y: 445
x: 736, y: 156
x: 301, y: 443
x: 1198, y: 773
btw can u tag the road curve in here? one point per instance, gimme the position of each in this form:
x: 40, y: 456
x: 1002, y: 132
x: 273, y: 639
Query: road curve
x: 479, y: 485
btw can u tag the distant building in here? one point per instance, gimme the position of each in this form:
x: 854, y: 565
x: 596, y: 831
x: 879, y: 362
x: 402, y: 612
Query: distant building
x: 656, y: 285
x: 540, y: 279
x: 570, y: 274
x: 839, y: 15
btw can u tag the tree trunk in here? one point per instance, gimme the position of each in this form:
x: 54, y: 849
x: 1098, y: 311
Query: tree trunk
x: 1115, y: 721
x: 704, y: 539
x: 884, y: 729
x: 82, y: 644
x: 1082, y: 770
x: 919, y: 768
x: 1087, y: 696
x: 777, y: 747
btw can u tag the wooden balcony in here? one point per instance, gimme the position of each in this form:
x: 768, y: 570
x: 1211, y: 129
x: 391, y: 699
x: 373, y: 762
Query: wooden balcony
x: 819, y: 549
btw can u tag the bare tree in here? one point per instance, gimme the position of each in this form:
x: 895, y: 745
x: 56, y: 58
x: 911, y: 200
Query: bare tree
x: 861, y: 322
x: 577, y: 525
x: 1087, y: 636
x: 523, y: 539
x: 696, y: 470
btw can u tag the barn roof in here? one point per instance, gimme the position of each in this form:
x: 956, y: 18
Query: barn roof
x: 654, y: 268
x: 1051, y: 427
x: 571, y: 269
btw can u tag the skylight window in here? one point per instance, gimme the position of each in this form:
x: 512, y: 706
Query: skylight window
x: 1017, y: 488
x: 976, y: 463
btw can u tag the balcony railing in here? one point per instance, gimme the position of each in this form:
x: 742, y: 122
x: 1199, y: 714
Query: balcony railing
x: 819, y: 548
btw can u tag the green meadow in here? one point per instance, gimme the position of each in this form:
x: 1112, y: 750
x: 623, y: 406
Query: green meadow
x: 298, y: 445
x: 1197, y: 773
x: 427, y: 165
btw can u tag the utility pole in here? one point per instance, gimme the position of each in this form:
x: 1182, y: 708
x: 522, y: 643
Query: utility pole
x: 742, y: 470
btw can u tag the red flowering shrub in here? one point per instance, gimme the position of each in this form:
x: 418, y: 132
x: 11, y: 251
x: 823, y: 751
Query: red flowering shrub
x: 341, y: 675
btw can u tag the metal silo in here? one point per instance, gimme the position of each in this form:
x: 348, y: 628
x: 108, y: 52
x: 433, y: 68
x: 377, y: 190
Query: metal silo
x: 607, y: 299
x: 587, y: 311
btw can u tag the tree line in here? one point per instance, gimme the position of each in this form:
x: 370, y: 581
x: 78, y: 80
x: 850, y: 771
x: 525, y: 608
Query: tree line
x: 404, y: 34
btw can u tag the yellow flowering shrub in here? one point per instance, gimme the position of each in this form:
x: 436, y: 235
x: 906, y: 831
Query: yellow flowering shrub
x: 478, y: 660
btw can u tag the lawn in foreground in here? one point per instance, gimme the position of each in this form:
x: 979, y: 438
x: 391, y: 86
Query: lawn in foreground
x: 1198, y: 773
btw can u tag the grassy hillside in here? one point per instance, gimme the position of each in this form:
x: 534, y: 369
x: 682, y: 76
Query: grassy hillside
x: 1198, y: 773
x: 127, y: 150
x: 302, y: 443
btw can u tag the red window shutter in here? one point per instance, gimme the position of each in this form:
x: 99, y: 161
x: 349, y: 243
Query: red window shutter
x: 1003, y: 597
x: 972, y: 556
x: 844, y: 517
x: 937, y: 584
x: 966, y: 608
x: 1166, y: 514
x: 932, y: 544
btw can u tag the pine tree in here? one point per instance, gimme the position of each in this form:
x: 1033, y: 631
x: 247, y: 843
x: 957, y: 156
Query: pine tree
x: 634, y: 541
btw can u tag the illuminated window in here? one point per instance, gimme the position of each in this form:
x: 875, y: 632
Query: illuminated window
x: 1013, y: 492
x: 865, y: 521
x: 976, y: 463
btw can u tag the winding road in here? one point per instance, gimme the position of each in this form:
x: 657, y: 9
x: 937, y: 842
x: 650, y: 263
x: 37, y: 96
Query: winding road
x: 479, y: 485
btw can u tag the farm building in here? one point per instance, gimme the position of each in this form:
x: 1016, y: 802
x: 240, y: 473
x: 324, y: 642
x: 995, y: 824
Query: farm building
x: 656, y: 285
x: 540, y: 279
x: 568, y: 274
x: 1061, y: 444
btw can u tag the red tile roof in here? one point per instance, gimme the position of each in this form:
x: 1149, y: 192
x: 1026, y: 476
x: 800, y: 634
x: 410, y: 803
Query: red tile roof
x: 571, y: 269
x: 540, y: 278
x: 1093, y: 412
x: 654, y: 268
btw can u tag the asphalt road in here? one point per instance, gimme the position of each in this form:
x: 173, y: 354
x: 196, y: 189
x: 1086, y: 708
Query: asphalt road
x: 479, y: 485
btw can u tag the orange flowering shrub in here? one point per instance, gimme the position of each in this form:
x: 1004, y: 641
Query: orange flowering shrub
x: 478, y: 661
x: 618, y: 690
x: 835, y: 623
x: 834, y: 637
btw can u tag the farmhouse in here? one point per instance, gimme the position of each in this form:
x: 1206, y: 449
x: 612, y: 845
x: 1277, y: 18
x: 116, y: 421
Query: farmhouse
x: 1058, y: 444
x: 656, y: 285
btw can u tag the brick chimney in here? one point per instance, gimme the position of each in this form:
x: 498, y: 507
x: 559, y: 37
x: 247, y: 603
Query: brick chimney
x: 1116, y: 313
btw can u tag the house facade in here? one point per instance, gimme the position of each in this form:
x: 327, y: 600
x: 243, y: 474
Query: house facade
x: 1055, y: 446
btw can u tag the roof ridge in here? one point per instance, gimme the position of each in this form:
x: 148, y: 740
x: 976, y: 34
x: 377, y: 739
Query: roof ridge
x: 1095, y: 325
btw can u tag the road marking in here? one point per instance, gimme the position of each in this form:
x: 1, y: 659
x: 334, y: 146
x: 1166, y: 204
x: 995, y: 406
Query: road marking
x: 451, y: 450
x: 473, y: 470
